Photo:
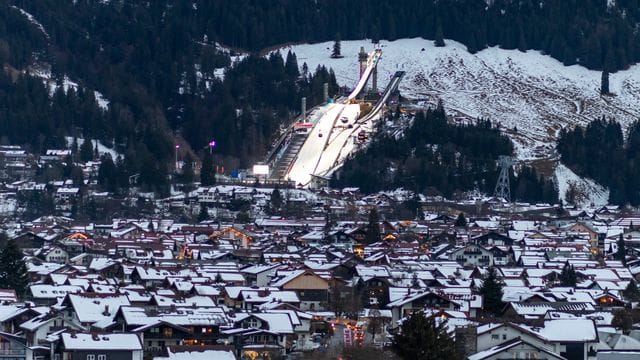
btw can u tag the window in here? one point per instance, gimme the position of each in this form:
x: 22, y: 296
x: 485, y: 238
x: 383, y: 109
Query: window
x: 102, y: 357
x: 168, y: 332
x: 91, y: 357
x: 504, y: 336
x: 155, y: 330
x: 495, y: 337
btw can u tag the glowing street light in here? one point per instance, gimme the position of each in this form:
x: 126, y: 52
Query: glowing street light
x: 177, y: 148
x: 212, y: 143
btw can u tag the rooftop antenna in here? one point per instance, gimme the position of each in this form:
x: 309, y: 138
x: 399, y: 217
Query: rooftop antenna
x: 502, y: 186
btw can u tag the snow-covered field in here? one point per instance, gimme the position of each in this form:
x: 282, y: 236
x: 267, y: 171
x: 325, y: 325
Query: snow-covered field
x: 530, y: 94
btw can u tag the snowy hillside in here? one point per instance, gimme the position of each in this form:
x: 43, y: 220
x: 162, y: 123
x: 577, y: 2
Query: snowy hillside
x: 586, y: 192
x: 532, y: 95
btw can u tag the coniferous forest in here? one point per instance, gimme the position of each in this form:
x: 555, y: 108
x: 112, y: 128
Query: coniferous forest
x: 440, y: 158
x: 599, y: 151
x: 156, y: 61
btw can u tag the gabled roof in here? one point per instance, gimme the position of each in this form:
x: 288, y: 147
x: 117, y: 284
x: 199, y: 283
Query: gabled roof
x: 509, y: 345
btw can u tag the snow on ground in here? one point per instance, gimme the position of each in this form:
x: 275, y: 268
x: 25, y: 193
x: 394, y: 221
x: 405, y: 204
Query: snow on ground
x: 587, y: 191
x: 530, y: 94
x: 67, y: 84
x: 235, y: 59
x: 311, y: 151
x: 102, y: 149
x: 32, y: 20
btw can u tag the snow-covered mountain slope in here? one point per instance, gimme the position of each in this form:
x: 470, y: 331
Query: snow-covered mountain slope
x: 532, y: 95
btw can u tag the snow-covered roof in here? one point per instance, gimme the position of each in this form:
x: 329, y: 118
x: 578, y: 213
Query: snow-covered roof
x: 112, y: 341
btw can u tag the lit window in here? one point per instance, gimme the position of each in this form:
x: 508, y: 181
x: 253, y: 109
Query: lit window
x: 102, y: 357
x: 91, y: 357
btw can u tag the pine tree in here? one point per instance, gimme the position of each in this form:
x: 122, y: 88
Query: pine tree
x: 336, y: 52
x: 276, y: 199
x: 86, y: 150
x: 622, y: 251
x: 631, y: 292
x: 423, y: 339
x: 13, y: 270
x: 461, y: 221
x: 203, y: 214
x: 568, y: 276
x: 207, y: 172
x: 604, y: 83
x: 491, y: 292
x: 439, y: 41
x: 373, y: 227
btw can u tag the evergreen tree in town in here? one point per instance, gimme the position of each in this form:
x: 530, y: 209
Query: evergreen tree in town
x: 373, y: 227
x: 568, y: 276
x: 336, y: 52
x: 491, y: 292
x: 424, y: 339
x: 13, y: 270
x: 631, y: 292
x: 207, y: 172
x: 604, y: 83
x: 622, y: 251
x: 461, y: 221
x: 276, y: 199
x: 86, y: 151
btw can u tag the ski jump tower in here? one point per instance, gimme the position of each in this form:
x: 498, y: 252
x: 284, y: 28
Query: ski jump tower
x: 362, y: 59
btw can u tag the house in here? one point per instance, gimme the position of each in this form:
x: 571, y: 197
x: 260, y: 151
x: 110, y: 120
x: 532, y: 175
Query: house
x: 312, y: 290
x: 259, y: 275
x: 414, y: 300
x: 159, y: 334
x: 572, y: 339
x: 56, y: 254
x: 472, y: 255
x: 200, y: 352
x: 515, y: 349
x: 13, y: 347
x: 113, y: 346
x: 240, y: 237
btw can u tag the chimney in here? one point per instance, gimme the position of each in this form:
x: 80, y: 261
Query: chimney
x: 106, y: 310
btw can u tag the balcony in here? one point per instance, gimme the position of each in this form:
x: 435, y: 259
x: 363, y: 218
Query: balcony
x: 11, y: 352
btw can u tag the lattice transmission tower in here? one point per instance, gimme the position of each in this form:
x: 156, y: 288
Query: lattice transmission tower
x: 502, y: 186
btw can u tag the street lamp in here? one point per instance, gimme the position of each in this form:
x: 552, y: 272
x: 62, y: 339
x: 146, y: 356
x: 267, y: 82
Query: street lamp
x: 212, y: 143
x: 177, y: 148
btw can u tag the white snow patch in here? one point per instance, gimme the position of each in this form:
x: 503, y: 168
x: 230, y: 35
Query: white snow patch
x: 67, y: 84
x: 530, y: 94
x: 102, y: 149
x: 588, y: 192
x: 32, y: 20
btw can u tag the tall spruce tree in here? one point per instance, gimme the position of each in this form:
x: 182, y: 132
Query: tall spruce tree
x: 439, y: 40
x: 276, y: 199
x: 424, y: 339
x: 621, y: 254
x: 631, y: 292
x: 604, y: 83
x: 337, y: 48
x: 13, y: 270
x: 461, y: 221
x: 207, y: 172
x: 568, y: 276
x: 491, y: 292
x: 86, y: 150
x: 373, y: 227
